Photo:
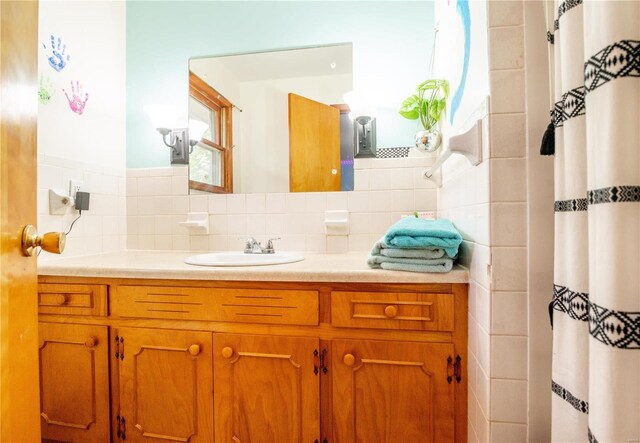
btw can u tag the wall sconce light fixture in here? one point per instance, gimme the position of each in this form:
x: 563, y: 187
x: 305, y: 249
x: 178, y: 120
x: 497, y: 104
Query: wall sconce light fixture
x: 180, y: 140
x: 363, y: 114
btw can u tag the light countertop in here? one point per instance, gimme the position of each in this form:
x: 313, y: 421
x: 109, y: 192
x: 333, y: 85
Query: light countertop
x: 338, y: 268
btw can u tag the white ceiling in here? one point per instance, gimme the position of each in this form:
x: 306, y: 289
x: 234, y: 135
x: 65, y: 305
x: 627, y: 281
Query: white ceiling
x: 309, y: 62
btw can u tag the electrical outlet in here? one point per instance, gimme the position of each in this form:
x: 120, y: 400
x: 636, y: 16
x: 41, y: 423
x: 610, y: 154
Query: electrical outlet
x: 74, y: 186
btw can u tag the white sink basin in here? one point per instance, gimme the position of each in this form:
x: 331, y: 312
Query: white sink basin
x: 242, y: 259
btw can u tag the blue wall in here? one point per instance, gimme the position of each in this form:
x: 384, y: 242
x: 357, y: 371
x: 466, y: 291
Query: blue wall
x: 392, y: 46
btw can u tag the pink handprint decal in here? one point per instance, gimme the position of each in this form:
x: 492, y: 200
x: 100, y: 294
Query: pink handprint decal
x: 76, y: 101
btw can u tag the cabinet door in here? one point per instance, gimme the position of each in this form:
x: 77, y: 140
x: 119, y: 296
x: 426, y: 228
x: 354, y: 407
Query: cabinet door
x: 267, y: 389
x: 166, y: 385
x: 74, y: 382
x: 386, y: 392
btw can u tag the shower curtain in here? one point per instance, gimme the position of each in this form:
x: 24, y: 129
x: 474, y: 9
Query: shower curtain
x: 595, y: 48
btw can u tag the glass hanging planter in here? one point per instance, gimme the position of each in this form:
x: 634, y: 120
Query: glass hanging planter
x: 428, y: 141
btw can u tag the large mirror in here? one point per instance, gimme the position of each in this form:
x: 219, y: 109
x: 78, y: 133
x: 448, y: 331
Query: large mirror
x: 285, y: 121
x: 277, y: 121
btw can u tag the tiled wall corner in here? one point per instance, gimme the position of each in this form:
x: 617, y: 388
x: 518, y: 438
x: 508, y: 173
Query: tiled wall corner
x: 488, y: 204
x: 103, y: 227
x: 507, y: 303
x: 157, y: 201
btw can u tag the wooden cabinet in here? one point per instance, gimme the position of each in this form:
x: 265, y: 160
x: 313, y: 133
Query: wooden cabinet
x: 166, y: 385
x: 252, y: 362
x: 391, y: 392
x: 74, y: 382
x: 267, y: 389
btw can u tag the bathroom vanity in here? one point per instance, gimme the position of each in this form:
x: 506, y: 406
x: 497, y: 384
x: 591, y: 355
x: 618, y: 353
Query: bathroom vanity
x: 139, y: 346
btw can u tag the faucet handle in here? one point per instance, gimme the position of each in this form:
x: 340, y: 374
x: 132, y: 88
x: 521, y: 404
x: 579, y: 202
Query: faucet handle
x: 250, y: 245
x: 269, y: 248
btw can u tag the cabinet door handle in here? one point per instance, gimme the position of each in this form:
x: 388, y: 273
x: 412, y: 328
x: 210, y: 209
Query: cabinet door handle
x: 349, y: 360
x: 194, y: 350
x: 391, y: 311
x: 227, y: 352
x: 90, y: 342
x: 61, y: 299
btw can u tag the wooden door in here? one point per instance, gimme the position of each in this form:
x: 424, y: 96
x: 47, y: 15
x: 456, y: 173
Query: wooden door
x: 74, y: 382
x: 19, y: 414
x: 267, y: 389
x: 314, y: 146
x: 166, y: 385
x: 385, y: 392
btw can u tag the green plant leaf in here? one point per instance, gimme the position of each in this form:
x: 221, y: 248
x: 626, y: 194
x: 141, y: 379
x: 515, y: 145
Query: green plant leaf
x: 436, y: 109
x: 445, y: 89
x: 428, y: 103
x: 410, y: 108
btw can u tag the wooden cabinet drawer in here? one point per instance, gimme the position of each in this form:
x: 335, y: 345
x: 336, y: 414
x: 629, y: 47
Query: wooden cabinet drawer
x: 390, y: 310
x: 72, y: 299
x: 290, y: 307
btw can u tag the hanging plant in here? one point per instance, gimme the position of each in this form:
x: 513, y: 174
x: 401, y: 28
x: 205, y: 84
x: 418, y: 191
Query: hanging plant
x: 427, y: 104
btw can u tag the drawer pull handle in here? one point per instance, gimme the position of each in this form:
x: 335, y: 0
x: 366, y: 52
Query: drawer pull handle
x: 61, y: 299
x: 194, y: 350
x: 227, y: 352
x: 90, y: 342
x: 349, y: 360
x: 391, y: 311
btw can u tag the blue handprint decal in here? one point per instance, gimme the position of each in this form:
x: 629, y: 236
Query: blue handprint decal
x: 58, y: 59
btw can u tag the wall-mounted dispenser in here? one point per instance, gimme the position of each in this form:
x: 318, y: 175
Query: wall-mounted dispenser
x: 468, y: 144
x: 197, y: 222
x: 336, y: 222
x: 59, y: 202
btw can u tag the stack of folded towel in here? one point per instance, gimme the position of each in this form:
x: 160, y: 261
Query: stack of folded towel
x: 417, y: 245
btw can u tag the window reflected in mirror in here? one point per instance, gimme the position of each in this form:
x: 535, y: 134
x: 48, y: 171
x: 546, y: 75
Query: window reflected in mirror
x: 211, y: 159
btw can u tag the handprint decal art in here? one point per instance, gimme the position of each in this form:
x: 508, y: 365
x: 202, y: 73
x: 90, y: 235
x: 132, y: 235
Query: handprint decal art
x: 58, y: 59
x: 76, y: 101
x: 46, y: 90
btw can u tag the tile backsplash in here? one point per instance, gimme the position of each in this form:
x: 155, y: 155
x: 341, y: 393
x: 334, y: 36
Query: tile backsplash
x: 103, y: 227
x: 157, y: 201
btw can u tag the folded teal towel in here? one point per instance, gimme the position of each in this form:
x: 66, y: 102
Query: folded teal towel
x: 410, y: 264
x: 412, y: 233
x: 381, y: 248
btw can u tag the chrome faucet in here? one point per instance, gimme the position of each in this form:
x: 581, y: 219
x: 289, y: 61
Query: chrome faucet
x: 254, y: 247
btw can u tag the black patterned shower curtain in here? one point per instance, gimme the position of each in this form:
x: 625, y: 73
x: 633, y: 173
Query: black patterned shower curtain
x: 595, y: 48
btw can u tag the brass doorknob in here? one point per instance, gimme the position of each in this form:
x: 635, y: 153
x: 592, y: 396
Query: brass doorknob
x: 53, y: 242
x: 227, y: 352
x: 349, y: 359
x: 194, y: 350
x: 391, y: 311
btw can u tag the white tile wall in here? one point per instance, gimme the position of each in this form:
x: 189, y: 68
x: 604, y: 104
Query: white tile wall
x: 488, y: 204
x: 157, y: 200
x: 103, y: 228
